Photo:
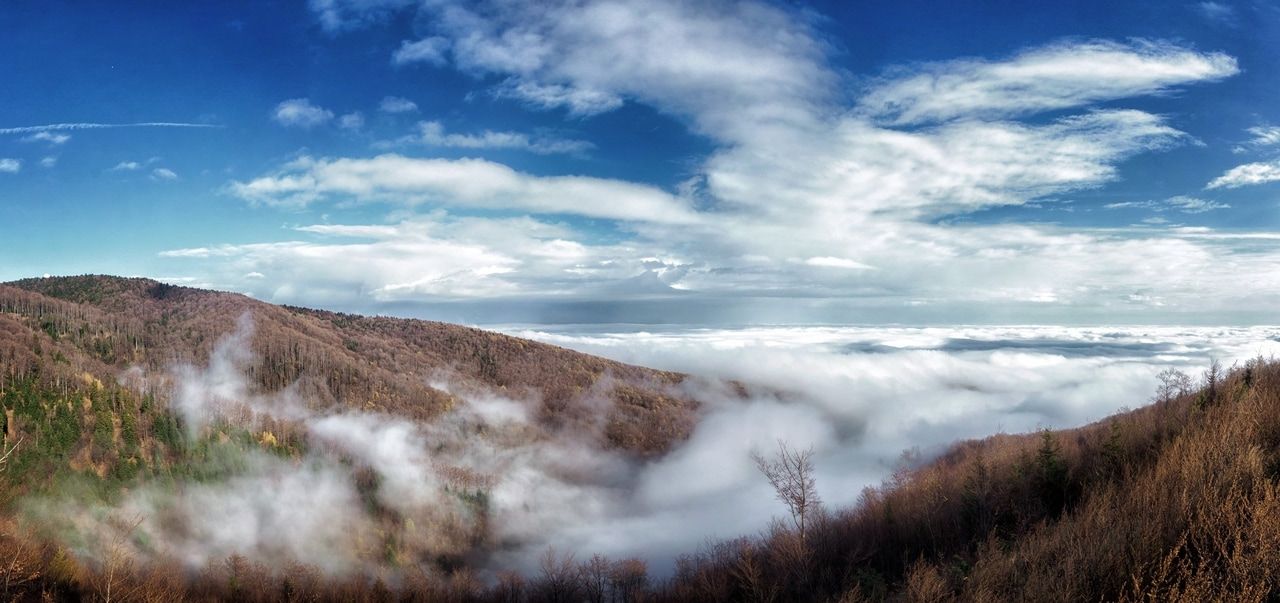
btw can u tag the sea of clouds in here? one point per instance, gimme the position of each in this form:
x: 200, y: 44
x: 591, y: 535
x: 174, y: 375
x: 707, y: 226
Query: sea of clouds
x: 861, y: 397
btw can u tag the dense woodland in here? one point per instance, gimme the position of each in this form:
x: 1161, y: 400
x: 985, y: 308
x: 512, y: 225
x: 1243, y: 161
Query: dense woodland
x: 1177, y: 500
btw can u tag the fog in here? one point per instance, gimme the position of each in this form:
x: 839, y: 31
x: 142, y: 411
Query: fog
x: 860, y: 396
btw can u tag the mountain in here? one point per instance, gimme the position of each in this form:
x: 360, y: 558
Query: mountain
x: 166, y: 443
x: 103, y: 325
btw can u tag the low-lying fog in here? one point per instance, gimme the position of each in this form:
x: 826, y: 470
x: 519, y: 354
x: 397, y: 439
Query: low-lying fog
x: 860, y: 396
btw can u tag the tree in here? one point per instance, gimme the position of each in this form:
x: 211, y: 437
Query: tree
x: 790, y: 472
x: 1173, y: 384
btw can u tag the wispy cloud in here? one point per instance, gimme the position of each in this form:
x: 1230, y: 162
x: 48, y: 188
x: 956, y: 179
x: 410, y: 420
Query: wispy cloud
x: 403, y: 180
x: 397, y: 104
x: 1247, y: 175
x: 1056, y: 77
x: 351, y: 121
x: 432, y: 133
x: 52, y: 138
x: 427, y: 50
x: 10, y: 166
x: 163, y: 174
x: 98, y: 126
x: 1182, y: 203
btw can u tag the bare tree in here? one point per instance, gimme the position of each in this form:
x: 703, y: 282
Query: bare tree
x: 1173, y: 383
x: 790, y: 472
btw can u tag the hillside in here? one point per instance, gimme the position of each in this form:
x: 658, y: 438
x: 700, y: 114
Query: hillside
x: 386, y: 459
x: 103, y: 325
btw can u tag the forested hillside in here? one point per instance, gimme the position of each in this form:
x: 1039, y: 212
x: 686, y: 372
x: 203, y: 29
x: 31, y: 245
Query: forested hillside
x: 110, y: 433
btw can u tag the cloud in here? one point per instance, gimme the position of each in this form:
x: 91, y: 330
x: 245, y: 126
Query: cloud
x: 351, y: 121
x: 300, y: 113
x: 1217, y: 11
x: 342, y: 15
x: 472, y: 183
x: 160, y: 174
x: 578, y: 101
x: 432, y: 133
x: 10, y: 166
x: 427, y: 50
x: 99, y: 126
x: 861, y: 396
x: 1054, y: 77
x: 1264, y: 136
x: 396, y: 104
x: 1182, y: 203
x: 49, y: 161
x: 127, y: 166
x: 830, y: 262
x: 807, y: 181
x: 1248, y: 174
x: 50, y: 137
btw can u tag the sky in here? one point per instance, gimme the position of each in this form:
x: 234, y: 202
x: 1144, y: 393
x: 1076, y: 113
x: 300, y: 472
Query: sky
x: 655, y: 161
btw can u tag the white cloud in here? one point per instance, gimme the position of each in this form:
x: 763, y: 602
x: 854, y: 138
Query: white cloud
x: 801, y: 182
x: 300, y: 113
x: 340, y: 15
x: 1247, y: 175
x: 51, y: 137
x: 99, y: 126
x: 127, y: 166
x: 163, y: 174
x: 460, y: 183
x: 427, y: 50
x: 351, y: 121
x: 49, y: 161
x: 579, y: 101
x: 1182, y: 203
x: 1054, y: 77
x: 830, y: 262
x: 432, y: 133
x: 1217, y: 11
x: 1264, y: 136
x: 396, y: 104
x: 10, y: 166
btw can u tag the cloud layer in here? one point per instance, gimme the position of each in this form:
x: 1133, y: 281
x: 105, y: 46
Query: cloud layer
x: 817, y: 187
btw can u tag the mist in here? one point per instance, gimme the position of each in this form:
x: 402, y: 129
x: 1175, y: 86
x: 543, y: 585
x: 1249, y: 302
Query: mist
x: 374, y: 493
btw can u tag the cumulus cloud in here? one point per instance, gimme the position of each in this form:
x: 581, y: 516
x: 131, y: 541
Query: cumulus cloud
x: 460, y: 183
x: 9, y: 165
x: 432, y: 133
x: 1248, y: 174
x: 1055, y: 77
x: 301, y: 113
x: 397, y: 104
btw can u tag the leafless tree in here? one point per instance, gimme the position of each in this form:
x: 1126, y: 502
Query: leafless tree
x: 1173, y: 383
x: 790, y: 472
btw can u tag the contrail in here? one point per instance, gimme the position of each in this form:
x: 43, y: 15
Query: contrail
x: 94, y: 126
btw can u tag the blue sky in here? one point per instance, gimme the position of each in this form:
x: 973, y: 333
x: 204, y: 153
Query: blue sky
x: 655, y: 161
